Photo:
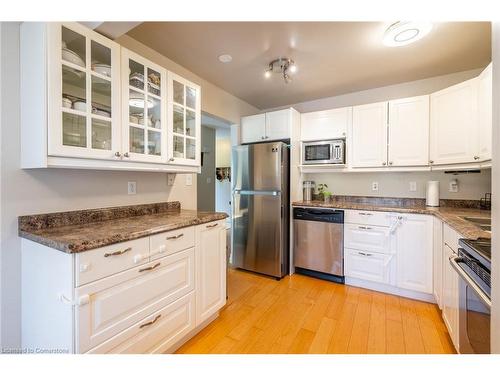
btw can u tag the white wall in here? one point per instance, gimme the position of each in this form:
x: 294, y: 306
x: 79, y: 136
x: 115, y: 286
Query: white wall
x: 37, y: 191
x: 397, y: 184
x: 495, y: 310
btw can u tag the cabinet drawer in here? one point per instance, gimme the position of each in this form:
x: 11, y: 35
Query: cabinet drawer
x: 367, y: 238
x: 95, y: 264
x: 450, y: 238
x: 157, y: 332
x: 368, y: 266
x: 119, y: 301
x: 171, y: 242
x: 368, y: 217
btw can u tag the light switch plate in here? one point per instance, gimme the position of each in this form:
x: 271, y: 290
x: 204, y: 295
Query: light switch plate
x: 413, y: 186
x: 189, y: 179
x: 374, y: 186
x: 209, y: 180
x: 132, y: 187
x: 170, y: 179
x: 453, y: 188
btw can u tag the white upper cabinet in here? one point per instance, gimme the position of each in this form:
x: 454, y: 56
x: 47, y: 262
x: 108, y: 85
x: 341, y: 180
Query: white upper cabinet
x: 485, y: 103
x: 409, y: 131
x: 253, y: 128
x: 278, y: 125
x: 369, y: 135
x: 415, y: 253
x: 454, y: 124
x: 144, y: 104
x: 184, y: 117
x: 330, y: 124
x: 83, y: 83
x: 270, y: 126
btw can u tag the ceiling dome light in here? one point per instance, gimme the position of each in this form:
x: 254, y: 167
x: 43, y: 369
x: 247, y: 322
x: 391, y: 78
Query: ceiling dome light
x: 403, y: 33
x: 225, y: 58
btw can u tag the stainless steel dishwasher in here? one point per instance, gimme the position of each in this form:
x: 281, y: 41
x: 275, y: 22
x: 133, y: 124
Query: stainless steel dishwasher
x: 318, y: 242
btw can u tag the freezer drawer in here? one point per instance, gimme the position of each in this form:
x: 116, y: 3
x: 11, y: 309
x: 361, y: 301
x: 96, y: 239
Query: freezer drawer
x: 259, y: 234
x: 318, y: 246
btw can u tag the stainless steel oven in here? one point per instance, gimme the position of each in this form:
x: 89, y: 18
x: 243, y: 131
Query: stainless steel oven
x: 324, y: 152
x: 473, y: 265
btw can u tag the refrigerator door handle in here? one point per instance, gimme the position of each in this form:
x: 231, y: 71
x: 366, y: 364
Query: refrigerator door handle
x: 253, y: 192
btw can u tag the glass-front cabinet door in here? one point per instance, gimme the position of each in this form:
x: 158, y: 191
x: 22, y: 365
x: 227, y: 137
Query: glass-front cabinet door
x: 144, y: 104
x: 84, y: 106
x: 184, y: 113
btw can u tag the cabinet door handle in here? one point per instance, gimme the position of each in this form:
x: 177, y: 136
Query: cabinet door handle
x: 431, y: 161
x: 171, y: 159
x: 365, y: 254
x: 175, y: 237
x: 151, y: 322
x: 119, y: 252
x: 212, y: 225
x: 363, y: 227
x: 390, y: 163
x: 150, y: 268
x: 384, y: 163
x: 118, y: 154
x: 365, y: 214
x: 126, y: 155
x: 476, y: 157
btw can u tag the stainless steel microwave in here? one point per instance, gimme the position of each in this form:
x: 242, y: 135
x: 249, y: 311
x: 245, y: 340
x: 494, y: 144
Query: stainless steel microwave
x: 324, y: 152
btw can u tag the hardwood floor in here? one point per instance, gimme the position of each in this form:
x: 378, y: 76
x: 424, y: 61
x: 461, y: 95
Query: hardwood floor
x: 300, y: 314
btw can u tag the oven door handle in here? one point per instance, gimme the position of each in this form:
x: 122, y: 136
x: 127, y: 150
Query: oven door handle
x: 469, y: 281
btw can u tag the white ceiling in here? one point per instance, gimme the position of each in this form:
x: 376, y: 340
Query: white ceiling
x: 333, y: 58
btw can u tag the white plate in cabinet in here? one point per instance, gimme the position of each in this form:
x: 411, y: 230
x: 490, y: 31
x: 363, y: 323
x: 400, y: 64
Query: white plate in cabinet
x: 329, y: 124
x: 95, y: 264
x: 368, y: 217
x: 367, y: 238
x: 210, y: 269
x: 368, y: 266
x: 156, y: 333
x: 109, y: 306
x: 171, y: 242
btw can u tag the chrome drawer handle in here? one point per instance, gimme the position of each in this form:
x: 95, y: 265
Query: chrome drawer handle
x: 150, y: 268
x: 365, y: 214
x: 175, y: 237
x: 365, y: 254
x: 151, y: 322
x: 212, y: 225
x: 119, y: 252
x: 363, y: 227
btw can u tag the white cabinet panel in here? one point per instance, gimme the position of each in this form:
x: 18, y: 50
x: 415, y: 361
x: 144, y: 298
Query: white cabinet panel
x: 438, y: 261
x: 171, y: 242
x: 454, y: 124
x: 409, y: 131
x: 368, y: 266
x: 485, y: 103
x: 321, y: 125
x: 414, y: 253
x: 369, y: 135
x: 367, y: 238
x: 253, y: 128
x: 210, y: 269
x: 450, y: 295
x: 112, y: 304
x: 156, y: 333
x: 278, y: 125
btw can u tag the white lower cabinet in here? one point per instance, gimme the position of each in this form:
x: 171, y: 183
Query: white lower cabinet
x: 211, y: 266
x: 151, y: 307
x: 368, y: 266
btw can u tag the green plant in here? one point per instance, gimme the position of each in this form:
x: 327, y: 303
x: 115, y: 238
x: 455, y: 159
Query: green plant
x: 322, y: 191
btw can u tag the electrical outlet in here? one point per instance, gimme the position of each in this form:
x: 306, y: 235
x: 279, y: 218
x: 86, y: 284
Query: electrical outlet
x: 170, y: 179
x: 132, y: 187
x: 453, y: 186
x: 189, y: 179
x: 374, y: 186
x: 209, y: 180
x: 413, y: 186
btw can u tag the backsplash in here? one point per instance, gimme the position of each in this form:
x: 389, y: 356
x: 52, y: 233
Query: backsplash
x: 397, y: 184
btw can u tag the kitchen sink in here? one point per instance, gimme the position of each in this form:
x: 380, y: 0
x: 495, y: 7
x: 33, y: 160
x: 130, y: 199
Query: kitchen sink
x: 482, y: 222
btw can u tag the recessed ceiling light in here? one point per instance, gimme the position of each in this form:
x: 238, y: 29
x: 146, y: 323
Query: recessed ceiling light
x: 225, y: 58
x: 403, y: 33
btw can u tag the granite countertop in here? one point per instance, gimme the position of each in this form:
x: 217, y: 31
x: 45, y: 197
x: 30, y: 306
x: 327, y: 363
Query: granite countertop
x: 452, y: 214
x: 78, y: 231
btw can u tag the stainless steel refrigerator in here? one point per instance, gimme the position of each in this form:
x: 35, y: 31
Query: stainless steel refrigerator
x: 260, y: 204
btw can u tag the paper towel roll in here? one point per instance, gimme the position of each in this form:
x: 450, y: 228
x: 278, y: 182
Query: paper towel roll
x: 432, y: 197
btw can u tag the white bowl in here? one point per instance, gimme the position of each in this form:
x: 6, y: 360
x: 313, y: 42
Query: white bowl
x: 72, y: 57
x: 66, y: 103
x: 80, y: 106
x: 103, y: 69
x: 133, y: 119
